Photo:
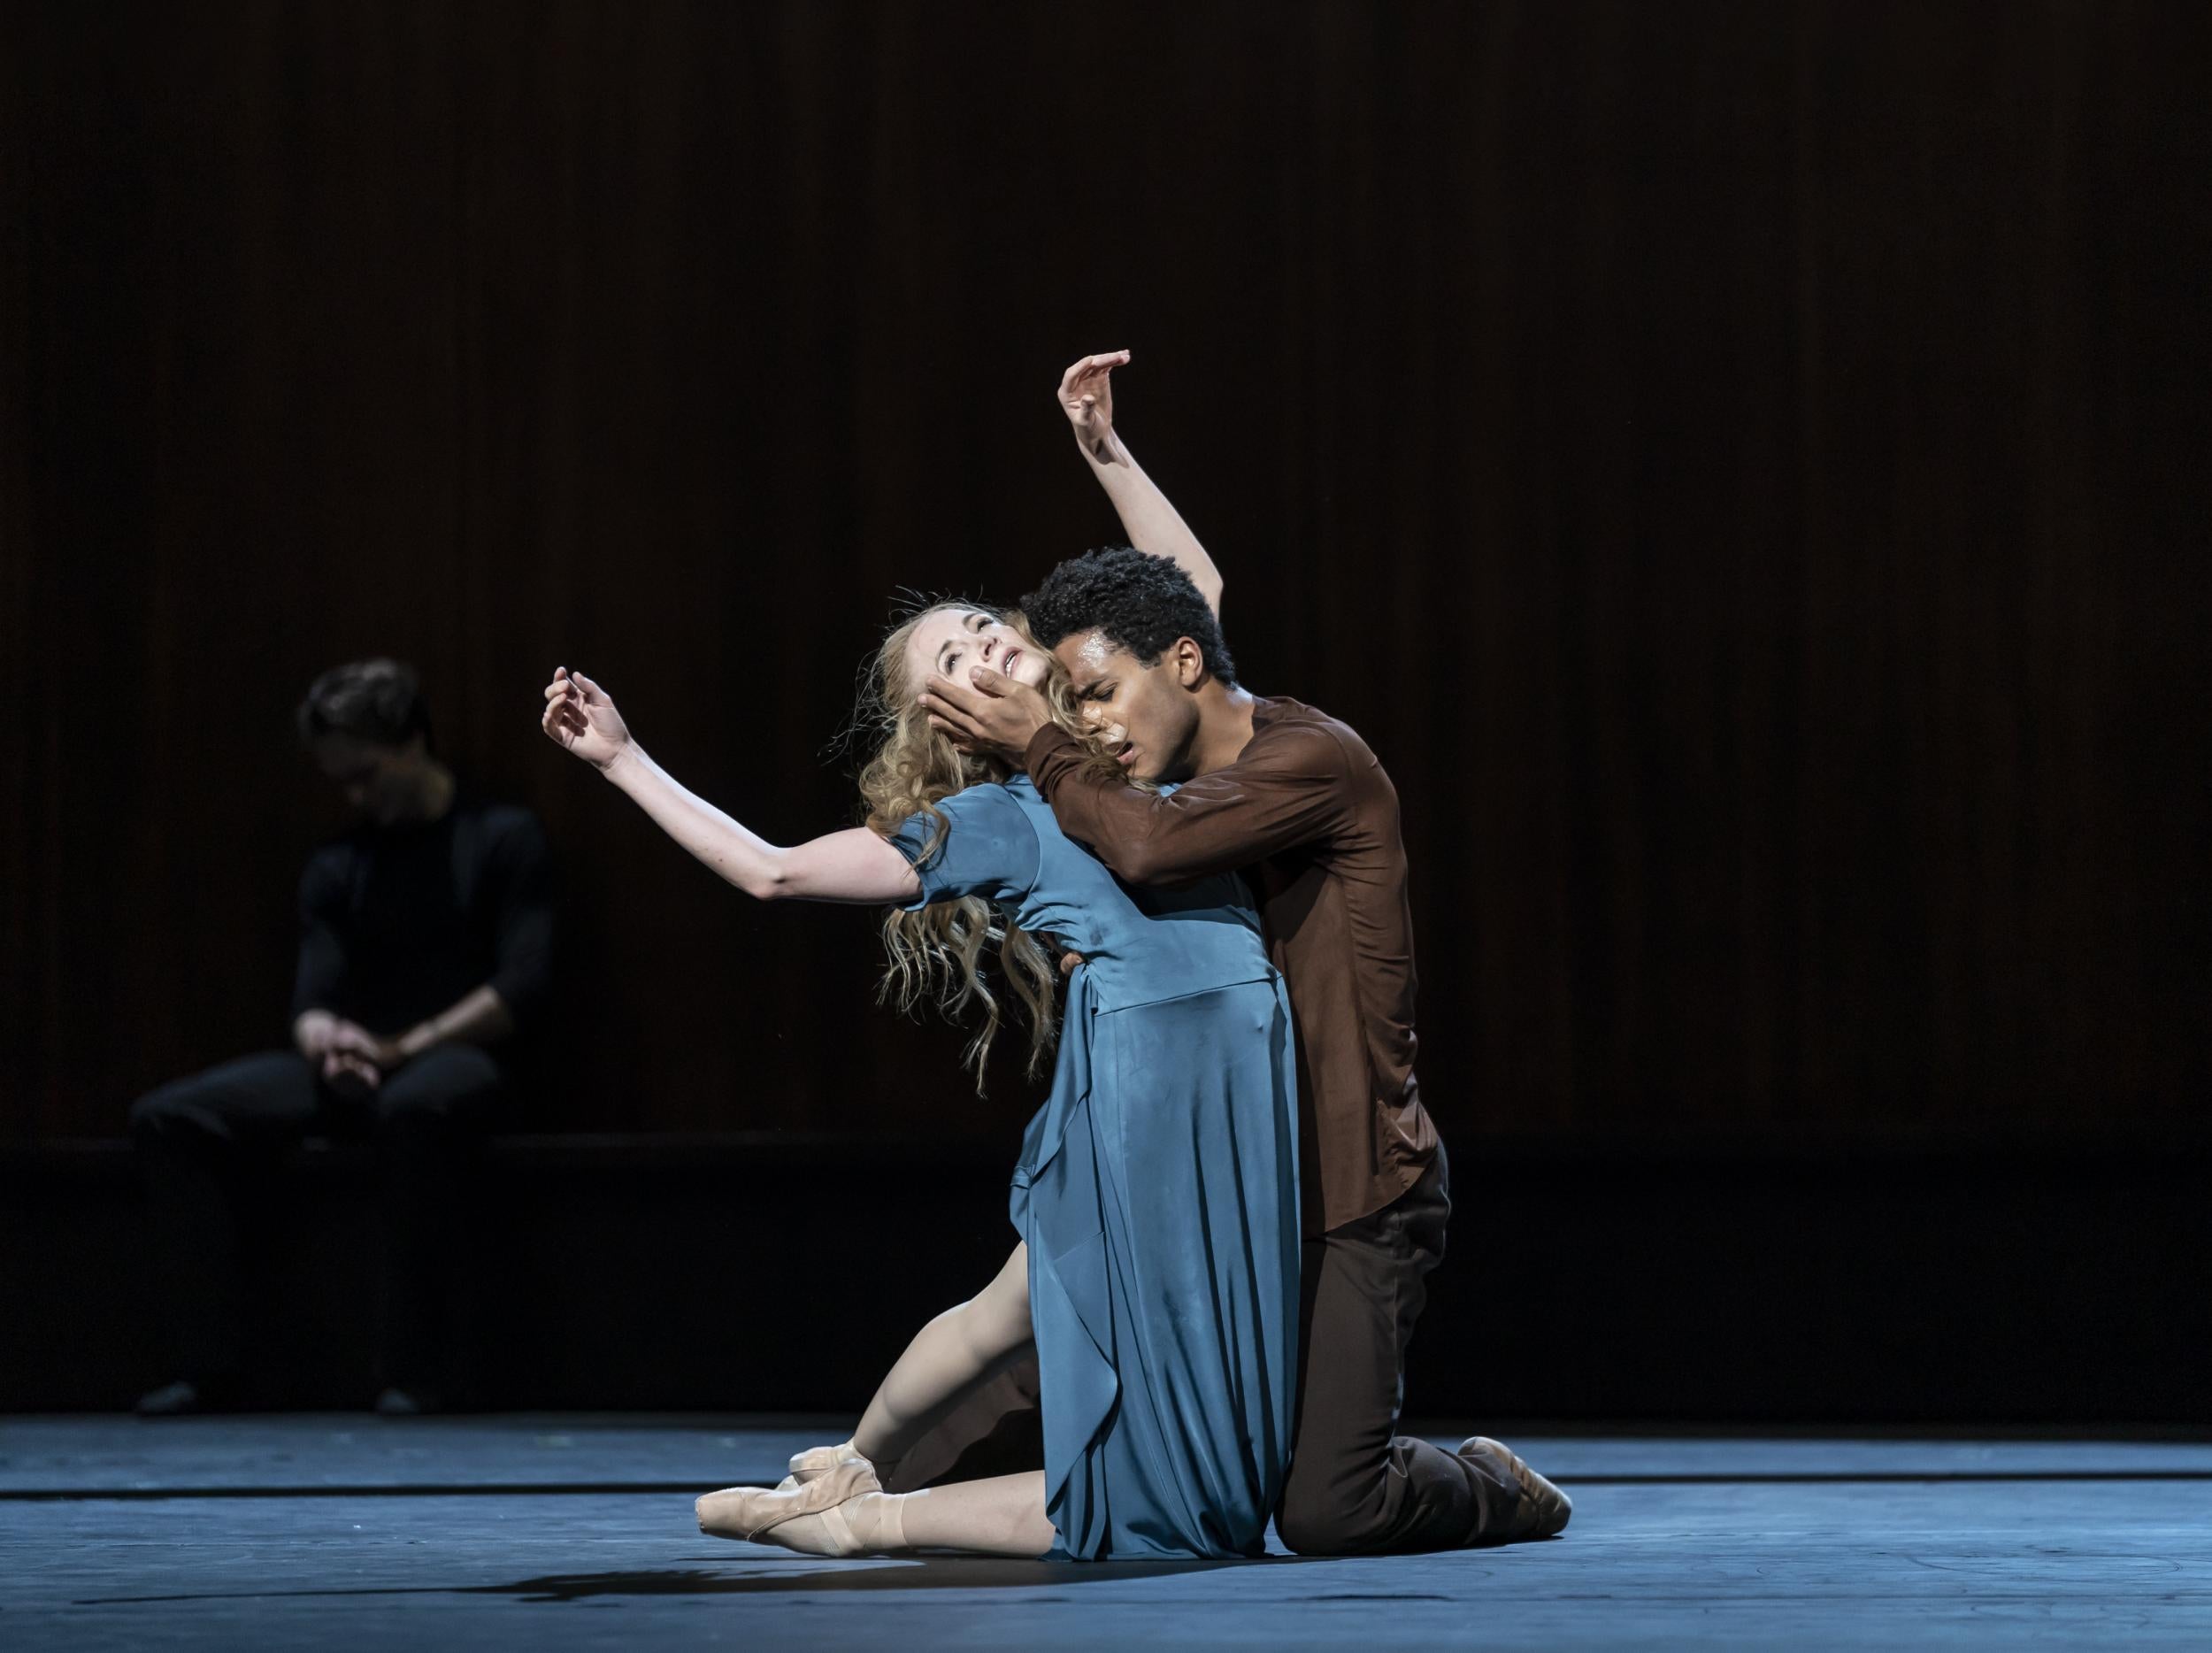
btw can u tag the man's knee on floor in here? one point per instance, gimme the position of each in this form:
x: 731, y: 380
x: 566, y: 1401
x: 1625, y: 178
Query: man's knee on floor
x: 1423, y: 1498
x: 1313, y: 1526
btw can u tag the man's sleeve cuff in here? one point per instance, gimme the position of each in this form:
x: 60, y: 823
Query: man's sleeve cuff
x: 1050, y: 739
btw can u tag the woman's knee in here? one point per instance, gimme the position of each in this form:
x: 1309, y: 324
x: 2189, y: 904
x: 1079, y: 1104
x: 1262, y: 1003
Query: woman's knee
x: 999, y: 1314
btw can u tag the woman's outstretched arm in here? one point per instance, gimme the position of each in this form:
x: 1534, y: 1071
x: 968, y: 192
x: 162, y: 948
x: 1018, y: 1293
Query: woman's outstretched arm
x: 1153, y: 525
x: 854, y: 865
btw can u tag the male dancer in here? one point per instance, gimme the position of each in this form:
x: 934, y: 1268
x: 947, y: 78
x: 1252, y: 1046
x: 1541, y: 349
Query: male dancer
x: 1295, y: 799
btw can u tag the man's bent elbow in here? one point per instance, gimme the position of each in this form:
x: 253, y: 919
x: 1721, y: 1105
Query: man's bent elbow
x: 1139, y: 863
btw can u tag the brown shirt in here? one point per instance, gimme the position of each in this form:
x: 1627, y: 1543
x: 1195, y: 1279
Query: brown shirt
x: 1306, y: 813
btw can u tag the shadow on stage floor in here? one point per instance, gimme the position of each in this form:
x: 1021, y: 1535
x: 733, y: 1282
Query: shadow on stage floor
x: 808, y: 1576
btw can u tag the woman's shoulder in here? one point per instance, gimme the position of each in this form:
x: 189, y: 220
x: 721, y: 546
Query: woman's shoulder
x: 1022, y: 793
x: 990, y: 797
x: 1015, y: 793
x: 1006, y: 806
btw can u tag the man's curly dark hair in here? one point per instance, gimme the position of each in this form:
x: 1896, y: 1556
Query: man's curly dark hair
x: 1141, y: 602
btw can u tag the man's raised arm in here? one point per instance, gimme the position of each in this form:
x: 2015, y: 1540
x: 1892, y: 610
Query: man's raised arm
x: 1153, y: 524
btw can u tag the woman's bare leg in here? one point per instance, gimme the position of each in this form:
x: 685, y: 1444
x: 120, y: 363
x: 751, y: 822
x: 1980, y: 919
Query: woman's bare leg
x: 1001, y: 1515
x: 948, y: 1357
x: 959, y: 1348
x: 838, y: 1507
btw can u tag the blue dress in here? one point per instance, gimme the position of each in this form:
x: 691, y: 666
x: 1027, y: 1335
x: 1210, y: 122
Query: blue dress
x: 1157, y: 1190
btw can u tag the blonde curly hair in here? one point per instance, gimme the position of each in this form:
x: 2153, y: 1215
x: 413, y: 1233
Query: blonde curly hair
x: 937, y: 953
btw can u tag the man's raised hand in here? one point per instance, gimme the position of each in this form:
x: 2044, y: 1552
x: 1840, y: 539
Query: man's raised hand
x: 1087, y: 396
x: 990, y: 712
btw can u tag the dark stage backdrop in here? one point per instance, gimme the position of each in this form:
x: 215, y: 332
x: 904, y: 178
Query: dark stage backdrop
x: 1739, y: 465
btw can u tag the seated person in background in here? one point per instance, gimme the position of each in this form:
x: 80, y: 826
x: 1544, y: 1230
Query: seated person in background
x: 425, y: 935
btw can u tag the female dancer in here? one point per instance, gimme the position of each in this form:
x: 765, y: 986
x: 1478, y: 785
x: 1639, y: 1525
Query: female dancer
x: 1156, y: 1192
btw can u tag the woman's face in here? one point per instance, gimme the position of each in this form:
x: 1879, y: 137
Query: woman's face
x: 952, y: 641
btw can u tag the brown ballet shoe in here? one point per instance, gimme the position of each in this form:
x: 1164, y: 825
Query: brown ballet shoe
x: 1543, y: 1511
x: 747, y: 1513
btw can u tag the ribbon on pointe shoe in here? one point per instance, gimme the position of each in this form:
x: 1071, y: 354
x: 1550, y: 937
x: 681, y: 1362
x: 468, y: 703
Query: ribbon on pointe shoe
x: 816, y: 1462
x: 747, y: 1512
x: 826, y: 1534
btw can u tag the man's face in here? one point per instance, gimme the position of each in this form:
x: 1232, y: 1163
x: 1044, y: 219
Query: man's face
x: 1147, y: 713
x: 379, y: 782
x: 951, y: 642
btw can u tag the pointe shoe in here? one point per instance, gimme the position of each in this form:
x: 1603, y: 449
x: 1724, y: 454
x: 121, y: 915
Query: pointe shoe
x: 766, y: 1517
x: 750, y: 1513
x: 1543, y: 1511
x: 816, y: 1462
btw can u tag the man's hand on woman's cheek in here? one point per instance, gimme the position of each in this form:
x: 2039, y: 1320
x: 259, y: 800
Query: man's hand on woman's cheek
x: 989, y: 713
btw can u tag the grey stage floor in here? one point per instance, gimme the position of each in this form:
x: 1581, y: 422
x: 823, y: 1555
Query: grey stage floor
x: 576, y: 1531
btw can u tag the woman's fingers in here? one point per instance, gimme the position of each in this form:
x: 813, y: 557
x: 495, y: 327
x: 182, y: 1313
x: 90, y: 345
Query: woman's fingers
x: 1089, y: 367
x: 572, y: 683
x: 1096, y: 367
x: 561, y: 722
x: 1067, y: 379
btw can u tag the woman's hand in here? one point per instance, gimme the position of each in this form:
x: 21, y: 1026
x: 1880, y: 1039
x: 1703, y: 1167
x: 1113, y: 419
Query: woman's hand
x: 581, y: 717
x: 1087, y: 396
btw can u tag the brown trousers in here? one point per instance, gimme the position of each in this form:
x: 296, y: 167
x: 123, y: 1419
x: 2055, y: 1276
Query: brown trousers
x: 1356, y: 1487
